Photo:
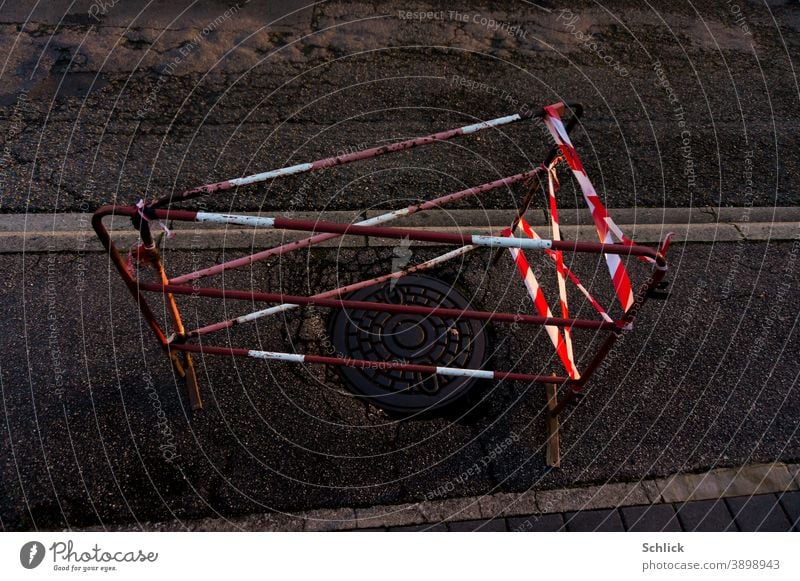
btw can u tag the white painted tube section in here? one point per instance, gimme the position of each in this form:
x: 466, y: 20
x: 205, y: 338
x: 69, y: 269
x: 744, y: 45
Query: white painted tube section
x: 275, y: 173
x: 479, y: 373
x: 261, y: 221
x: 491, y: 123
x: 293, y: 357
x: 501, y: 242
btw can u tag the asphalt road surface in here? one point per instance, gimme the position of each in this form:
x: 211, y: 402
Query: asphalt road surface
x: 134, y: 100
x: 688, y: 105
x: 707, y: 378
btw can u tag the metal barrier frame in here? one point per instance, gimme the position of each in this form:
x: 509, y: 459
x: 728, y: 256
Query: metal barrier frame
x: 181, y: 343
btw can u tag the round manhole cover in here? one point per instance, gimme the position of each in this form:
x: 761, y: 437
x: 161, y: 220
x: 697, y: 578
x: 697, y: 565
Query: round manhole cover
x: 408, y: 338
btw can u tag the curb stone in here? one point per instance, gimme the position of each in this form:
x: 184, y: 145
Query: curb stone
x: 451, y: 509
x: 746, y: 480
x: 726, y: 482
x: 505, y: 504
x: 591, y: 498
x: 328, y: 519
x: 72, y: 232
x: 794, y: 470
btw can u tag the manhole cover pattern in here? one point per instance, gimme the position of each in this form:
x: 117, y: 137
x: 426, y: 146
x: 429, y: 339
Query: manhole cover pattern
x: 408, y: 338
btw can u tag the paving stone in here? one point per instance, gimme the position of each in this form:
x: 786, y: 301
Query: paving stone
x: 484, y: 526
x: 652, y: 491
x: 762, y: 479
x: 745, y: 481
x: 537, y: 523
x: 794, y: 470
x: 429, y: 528
x: 705, y: 516
x: 592, y: 497
x: 508, y: 504
x: 759, y: 513
x: 652, y: 518
x: 389, y: 516
x: 452, y: 508
x: 593, y: 520
x: 269, y: 522
x: 790, y: 501
x: 329, y: 519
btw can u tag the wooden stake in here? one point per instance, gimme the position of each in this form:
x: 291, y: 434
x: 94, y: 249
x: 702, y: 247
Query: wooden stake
x: 553, y: 446
x: 191, y: 384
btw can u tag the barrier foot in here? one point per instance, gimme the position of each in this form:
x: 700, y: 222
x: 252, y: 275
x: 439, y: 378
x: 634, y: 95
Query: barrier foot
x: 191, y: 384
x: 553, y: 444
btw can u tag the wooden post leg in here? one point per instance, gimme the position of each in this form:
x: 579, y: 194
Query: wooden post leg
x: 184, y: 367
x: 187, y: 372
x: 553, y: 445
x: 192, y: 387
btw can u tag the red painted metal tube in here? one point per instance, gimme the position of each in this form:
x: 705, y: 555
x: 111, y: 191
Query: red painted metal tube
x: 130, y: 282
x: 364, y: 363
x: 451, y: 238
x: 355, y: 156
x: 382, y: 307
x: 317, y: 238
x: 399, y: 233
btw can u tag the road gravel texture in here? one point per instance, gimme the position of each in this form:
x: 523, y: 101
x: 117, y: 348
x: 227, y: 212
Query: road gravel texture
x: 98, y: 430
x: 687, y: 105
x: 134, y: 100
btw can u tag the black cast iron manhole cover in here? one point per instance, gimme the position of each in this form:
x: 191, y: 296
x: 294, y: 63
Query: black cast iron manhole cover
x: 408, y: 338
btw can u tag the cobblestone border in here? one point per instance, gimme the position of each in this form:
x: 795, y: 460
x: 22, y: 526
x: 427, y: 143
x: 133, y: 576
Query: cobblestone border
x: 719, y: 483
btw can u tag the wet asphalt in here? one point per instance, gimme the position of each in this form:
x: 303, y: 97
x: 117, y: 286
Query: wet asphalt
x: 134, y: 102
x: 139, y: 101
x: 97, y: 429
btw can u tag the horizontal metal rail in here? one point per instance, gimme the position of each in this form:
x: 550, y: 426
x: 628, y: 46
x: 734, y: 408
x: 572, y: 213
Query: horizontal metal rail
x: 374, y: 221
x: 367, y: 364
x: 386, y: 232
x: 349, y: 157
x: 499, y: 317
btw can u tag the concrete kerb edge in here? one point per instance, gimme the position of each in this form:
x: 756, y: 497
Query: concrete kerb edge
x: 71, y: 232
x: 746, y: 480
x: 742, y: 481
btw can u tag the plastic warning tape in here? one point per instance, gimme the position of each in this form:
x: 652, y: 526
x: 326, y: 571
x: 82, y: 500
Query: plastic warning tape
x: 524, y: 227
x: 552, y: 182
x: 603, y: 223
x: 540, y: 302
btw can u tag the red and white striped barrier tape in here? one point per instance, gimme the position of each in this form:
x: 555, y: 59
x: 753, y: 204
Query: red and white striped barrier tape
x: 531, y: 233
x: 552, y: 182
x: 540, y: 302
x: 603, y: 223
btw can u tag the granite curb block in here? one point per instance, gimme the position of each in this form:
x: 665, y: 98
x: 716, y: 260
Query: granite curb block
x: 726, y: 482
x: 73, y: 233
x: 794, y: 470
x: 747, y: 480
